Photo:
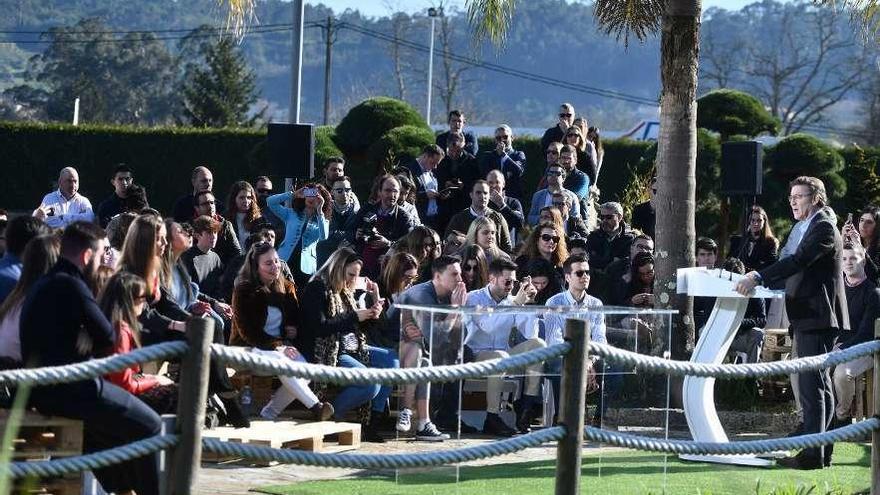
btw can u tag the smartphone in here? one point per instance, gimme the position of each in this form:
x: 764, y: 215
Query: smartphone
x: 310, y: 192
x: 360, y: 283
x: 849, y: 218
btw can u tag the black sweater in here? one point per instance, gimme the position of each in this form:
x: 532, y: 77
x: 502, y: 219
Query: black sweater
x: 315, y: 321
x: 863, y: 302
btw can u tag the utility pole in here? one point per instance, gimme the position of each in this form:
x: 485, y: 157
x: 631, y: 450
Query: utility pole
x: 329, y: 32
x: 296, y: 60
x: 433, y: 14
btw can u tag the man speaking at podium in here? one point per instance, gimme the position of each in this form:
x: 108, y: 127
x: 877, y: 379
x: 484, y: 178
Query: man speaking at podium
x: 815, y: 301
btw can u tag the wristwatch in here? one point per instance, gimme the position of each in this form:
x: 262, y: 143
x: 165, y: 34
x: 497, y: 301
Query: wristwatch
x: 758, y: 278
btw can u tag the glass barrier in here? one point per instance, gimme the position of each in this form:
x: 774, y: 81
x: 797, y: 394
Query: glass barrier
x: 501, y: 406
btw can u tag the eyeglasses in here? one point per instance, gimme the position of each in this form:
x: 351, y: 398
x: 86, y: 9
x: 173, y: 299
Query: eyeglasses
x: 501, y: 138
x: 468, y: 268
x: 555, y: 174
x: 798, y: 197
x: 341, y: 190
x: 607, y: 217
x: 564, y: 115
x: 580, y: 273
x: 549, y: 238
x: 262, y: 247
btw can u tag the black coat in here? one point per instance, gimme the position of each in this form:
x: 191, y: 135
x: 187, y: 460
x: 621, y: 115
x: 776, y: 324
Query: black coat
x: 763, y: 253
x: 813, y: 277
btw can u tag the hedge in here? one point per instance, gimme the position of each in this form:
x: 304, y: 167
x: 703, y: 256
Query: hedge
x: 369, y: 120
x: 161, y: 158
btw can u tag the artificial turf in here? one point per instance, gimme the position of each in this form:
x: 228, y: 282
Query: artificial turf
x: 623, y: 473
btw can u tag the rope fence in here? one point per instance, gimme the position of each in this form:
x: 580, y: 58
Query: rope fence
x: 386, y: 461
x: 95, y: 460
x: 188, y: 443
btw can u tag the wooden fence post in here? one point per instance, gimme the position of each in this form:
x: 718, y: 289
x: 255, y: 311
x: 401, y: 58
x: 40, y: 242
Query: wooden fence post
x: 572, y: 402
x: 191, y: 405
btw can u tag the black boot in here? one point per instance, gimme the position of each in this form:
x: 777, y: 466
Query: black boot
x: 370, y: 431
x: 235, y: 417
x: 495, y: 426
x: 524, y: 413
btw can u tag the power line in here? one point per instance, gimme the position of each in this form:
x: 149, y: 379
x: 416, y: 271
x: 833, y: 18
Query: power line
x: 144, y: 31
x: 128, y: 40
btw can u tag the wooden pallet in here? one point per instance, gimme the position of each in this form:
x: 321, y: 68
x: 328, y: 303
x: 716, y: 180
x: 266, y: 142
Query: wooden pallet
x: 42, y: 437
x: 311, y: 436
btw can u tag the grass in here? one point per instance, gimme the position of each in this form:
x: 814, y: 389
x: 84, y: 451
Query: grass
x: 622, y: 473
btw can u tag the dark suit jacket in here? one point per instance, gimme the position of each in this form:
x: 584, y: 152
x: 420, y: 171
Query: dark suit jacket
x: 512, y: 165
x: 470, y: 142
x: 813, y: 277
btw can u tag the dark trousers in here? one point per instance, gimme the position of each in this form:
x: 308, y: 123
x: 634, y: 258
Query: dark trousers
x: 815, y: 389
x: 111, y: 417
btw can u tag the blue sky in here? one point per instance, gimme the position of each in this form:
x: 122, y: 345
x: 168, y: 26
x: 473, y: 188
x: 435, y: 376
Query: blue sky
x: 381, y: 7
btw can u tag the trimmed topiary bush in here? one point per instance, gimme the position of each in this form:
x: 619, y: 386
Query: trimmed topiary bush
x: 400, y: 144
x: 325, y: 147
x: 730, y: 112
x: 368, y: 121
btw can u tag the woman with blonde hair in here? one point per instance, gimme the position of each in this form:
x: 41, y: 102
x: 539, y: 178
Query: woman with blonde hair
x: 482, y: 232
x: 546, y: 242
x: 267, y: 318
x: 242, y: 209
x: 334, y: 333
x: 163, y: 319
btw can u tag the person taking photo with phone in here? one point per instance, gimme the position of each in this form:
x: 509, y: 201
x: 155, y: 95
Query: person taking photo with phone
x: 306, y: 223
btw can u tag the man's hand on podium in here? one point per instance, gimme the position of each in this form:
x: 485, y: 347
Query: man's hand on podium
x: 747, y: 284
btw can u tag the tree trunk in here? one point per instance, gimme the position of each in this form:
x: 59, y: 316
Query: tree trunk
x: 676, y: 164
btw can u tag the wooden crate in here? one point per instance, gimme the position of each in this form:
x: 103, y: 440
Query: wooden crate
x: 311, y: 436
x: 777, y: 347
x: 41, y: 438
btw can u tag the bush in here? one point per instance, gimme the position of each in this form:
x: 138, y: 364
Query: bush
x: 325, y: 147
x: 399, y: 145
x: 730, y: 112
x: 368, y: 121
x: 162, y: 159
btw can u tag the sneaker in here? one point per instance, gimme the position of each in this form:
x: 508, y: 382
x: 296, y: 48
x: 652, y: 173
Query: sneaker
x: 430, y: 433
x: 322, y: 411
x: 495, y: 426
x: 404, y: 420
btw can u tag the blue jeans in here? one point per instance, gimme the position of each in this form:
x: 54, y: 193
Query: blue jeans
x: 381, y: 357
x: 354, y: 395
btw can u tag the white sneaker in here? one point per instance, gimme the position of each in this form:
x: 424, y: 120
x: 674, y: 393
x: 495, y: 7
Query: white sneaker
x: 404, y: 420
x: 430, y: 433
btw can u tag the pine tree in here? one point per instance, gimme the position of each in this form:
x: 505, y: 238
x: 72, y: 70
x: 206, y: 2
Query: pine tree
x: 221, y: 92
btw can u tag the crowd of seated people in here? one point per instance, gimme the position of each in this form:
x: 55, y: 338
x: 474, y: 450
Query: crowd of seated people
x: 322, y: 273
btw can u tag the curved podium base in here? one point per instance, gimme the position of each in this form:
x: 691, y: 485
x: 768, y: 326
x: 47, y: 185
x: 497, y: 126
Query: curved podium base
x: 739, y: 460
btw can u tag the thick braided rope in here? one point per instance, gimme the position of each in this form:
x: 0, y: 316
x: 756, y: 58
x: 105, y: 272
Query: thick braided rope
x: 851, y: 432
x: 385, y: 461
x: 654, y: 364
x: 346, y: 376
x: 53, y: 375
x: 87, y: 462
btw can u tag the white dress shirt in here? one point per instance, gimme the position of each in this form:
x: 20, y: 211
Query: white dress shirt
x: 66, y: 211
x: 554, y: 322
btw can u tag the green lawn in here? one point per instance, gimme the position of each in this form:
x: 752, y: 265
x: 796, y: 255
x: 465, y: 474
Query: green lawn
x: 623, y: 473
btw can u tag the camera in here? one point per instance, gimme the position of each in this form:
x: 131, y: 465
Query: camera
x: 368, y: 227
x: 51, y: 212
x: 310, y: 192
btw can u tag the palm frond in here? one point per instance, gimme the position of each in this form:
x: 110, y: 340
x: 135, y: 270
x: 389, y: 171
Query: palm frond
x: 490, y: 19
x: 623, y: 18
x: 864, y: 13
x: 239, y: 14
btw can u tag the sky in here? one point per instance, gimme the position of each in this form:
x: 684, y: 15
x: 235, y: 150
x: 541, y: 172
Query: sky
x: 381, y: 7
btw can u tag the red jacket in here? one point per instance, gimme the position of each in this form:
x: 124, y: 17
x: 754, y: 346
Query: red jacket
x: 131, y: 378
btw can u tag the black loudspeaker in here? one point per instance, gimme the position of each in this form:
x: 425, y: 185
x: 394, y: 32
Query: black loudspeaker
x: 292, y: 150
x: 742, y: 171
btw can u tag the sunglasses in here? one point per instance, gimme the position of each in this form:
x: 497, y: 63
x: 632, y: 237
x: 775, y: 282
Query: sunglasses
x: 580, y: 273
x: 565, y: 115
x: 341, y: 190
x: 262, y: 247
x: 467, y: 268
x: 548, y: 238
x: 501, y: 138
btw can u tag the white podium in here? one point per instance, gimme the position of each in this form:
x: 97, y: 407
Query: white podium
x: 715, y: 339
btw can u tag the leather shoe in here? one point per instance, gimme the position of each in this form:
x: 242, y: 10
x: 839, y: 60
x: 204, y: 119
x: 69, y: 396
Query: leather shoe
x: 797, y: 431
x: 495, y: 426
x: 322, y: 411
x: 802, y: 462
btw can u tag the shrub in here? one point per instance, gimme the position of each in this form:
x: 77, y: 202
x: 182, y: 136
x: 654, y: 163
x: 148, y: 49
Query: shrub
x: 368, y: 121
x: 730, y: 112
x: 325, y: 147
x: 399, y: 145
